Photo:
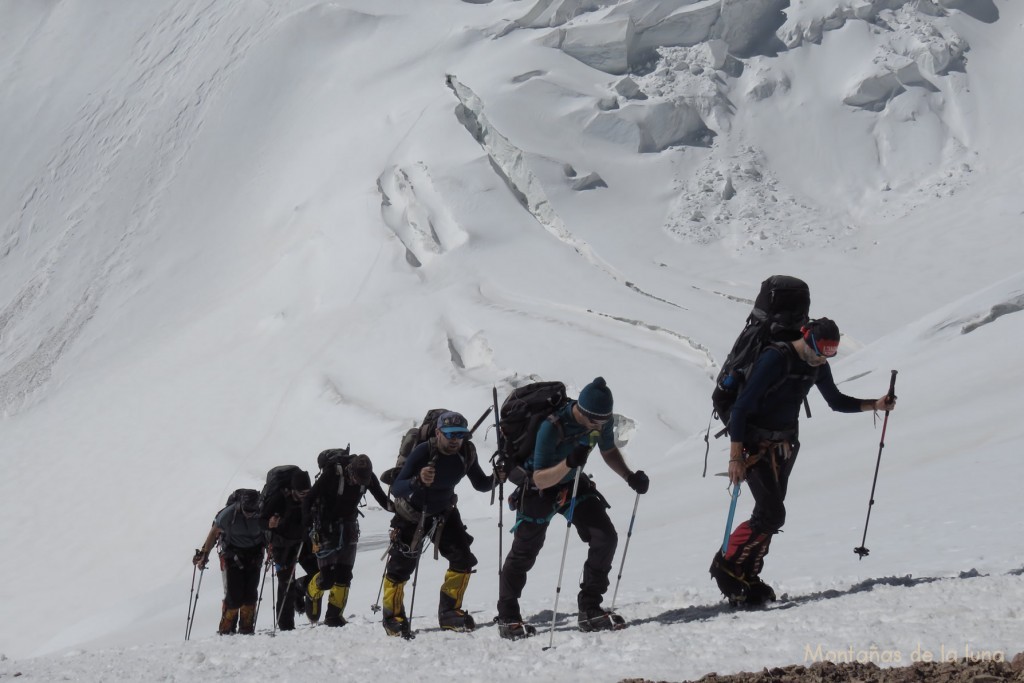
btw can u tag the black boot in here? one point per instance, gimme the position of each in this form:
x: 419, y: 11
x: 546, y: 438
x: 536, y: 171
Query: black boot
x: 739, y: 588
x: 515, y: 629
x: 332, y: 616
x: 597, y: 619
x: 759, y: 592
x: 299, y: 594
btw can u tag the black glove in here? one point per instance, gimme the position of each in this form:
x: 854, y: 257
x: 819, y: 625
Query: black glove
x: 639, y: 482
x: 578, y: 456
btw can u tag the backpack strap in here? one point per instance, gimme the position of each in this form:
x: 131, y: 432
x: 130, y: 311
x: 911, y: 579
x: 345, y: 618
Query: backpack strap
x: 789, y: 354
x: 469, y: 459
x: 556, y: 420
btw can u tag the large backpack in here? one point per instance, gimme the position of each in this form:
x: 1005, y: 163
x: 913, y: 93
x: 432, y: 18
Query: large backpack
x: 332, y: 464
x: 236, y: 497
x: 780, y: 310
x: 521, y: 415
x: 410, y: 440
x: 278, y: 479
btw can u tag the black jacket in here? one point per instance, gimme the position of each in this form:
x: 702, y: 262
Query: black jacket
x: 332, y: 499
x: 290, y: 528
x: 449, y: 469
x: 773, y: 395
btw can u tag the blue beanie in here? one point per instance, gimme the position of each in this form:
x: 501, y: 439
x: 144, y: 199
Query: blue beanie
x: 596, y: 400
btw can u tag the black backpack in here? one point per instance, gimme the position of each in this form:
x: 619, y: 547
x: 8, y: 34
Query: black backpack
x: 278, y: 479
x: 332, y: 463
x: 236, y: 496
x: 780, y: 310
x: 521, y: 415
x: 410, y: 440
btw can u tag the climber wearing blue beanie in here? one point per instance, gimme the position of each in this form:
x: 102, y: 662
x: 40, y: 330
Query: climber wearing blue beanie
x: 563, y: 444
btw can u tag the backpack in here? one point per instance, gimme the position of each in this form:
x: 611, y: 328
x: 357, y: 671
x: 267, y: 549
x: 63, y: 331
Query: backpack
x: 236, y: 497
x: 410, y: 440
x: 278, y: 479
x: 780, y: 310
x: 521, y: 415
x: 332, y: 463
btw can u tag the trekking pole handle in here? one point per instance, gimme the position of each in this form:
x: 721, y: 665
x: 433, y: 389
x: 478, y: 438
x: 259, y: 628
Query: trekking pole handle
x: 892, y: 386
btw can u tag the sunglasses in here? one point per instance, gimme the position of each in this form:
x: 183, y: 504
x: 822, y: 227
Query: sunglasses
x: 455, y: 434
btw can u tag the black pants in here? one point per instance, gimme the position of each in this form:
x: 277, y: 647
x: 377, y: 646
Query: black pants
x: 594, y: 528
x: 289, y: 584
x: 768, y: 480
x: 338, y: 554
x: 241, y: 576
x: 453, y: 544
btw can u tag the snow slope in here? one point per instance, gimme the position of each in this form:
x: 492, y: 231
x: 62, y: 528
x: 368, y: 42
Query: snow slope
x: 235, y: 234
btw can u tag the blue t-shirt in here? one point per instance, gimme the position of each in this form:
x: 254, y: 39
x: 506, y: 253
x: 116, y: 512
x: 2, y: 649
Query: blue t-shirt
x: 555, y: 442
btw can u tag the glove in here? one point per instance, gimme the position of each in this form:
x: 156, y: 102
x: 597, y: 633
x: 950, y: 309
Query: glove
x: 639, y: 482
x: 578, y: 456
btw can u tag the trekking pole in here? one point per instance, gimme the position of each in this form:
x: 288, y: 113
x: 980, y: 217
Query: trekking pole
x: 501, y: 523
x: 263, y: 584
x: 195, y: 603
x: 375, y: 607
x: 565, y: 547
x: 416, y: 546
x: 499, y: 454
x: 861, y: 550
x: 625, y: 550
x: 412, y: 599
x: 728, y: 521
x: 273, y: 601
x: 291, y: 579
x: 191, y: 594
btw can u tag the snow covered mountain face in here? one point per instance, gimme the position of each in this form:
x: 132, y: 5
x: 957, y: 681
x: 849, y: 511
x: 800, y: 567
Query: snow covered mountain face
x: 235, y: 234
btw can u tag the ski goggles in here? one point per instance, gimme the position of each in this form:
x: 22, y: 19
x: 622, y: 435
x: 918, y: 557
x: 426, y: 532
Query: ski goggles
x: 826, y: 348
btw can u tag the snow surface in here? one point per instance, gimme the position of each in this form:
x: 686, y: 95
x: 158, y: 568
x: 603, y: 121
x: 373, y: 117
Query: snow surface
x: 235, y: 234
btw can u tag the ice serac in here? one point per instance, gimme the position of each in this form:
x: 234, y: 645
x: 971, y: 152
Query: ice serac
x: 800, y: 28
x: 507, y: 160
x: 609, y: 46
x: 652, y: 126
x: 916, y: 52
x: 511, y: 164
x: 547, y: 13
x: 627, y: 35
